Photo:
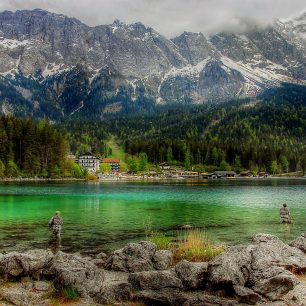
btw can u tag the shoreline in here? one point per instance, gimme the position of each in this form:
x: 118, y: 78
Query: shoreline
x: 150, y: 179
x: 142, y: 274
x: 38, y: 179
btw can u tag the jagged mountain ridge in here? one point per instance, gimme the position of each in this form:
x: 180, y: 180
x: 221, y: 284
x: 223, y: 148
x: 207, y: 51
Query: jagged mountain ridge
x: 57, y: 66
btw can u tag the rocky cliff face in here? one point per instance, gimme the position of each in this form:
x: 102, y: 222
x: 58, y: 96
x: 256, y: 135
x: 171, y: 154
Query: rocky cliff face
x: 57, y: 66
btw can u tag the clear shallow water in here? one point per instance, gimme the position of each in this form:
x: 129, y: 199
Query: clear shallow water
x: 104, y: 216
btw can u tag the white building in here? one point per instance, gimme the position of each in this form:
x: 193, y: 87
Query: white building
x: 89, y: 162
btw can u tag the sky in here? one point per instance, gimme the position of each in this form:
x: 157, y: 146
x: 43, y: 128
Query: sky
x: 171, y: 17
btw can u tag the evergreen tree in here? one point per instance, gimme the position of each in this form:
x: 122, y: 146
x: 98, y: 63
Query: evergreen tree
x: 274, y: 167
x: 77, y: 171
x: 2, y: 169
x: 143, y: 164
x: 237, y: 164
x: 132, y: 163
x: 105, y: 168
x: 169, y: 155
x: 284, y: 163
x: 187, y: 159
x: 11, y: 169
x: 225, y: 166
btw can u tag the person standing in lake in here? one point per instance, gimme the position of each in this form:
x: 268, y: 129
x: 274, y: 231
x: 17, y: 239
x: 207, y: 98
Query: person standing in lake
x: 55, y: 224
x: 284, y: 214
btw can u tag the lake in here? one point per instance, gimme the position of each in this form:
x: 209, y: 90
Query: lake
x: 104, y: 216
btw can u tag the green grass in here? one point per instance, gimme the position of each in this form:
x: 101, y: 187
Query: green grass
x: 161, y: 240
x: 70, y: 293
x: 194, y: 245
x: 117, y: 150
x: 190, y: 244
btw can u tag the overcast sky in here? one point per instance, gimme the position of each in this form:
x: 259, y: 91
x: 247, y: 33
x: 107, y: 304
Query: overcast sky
x: 170, y: 17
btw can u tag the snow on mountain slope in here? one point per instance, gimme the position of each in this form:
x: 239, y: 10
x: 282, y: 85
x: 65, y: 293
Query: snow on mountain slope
x: 74, y: 64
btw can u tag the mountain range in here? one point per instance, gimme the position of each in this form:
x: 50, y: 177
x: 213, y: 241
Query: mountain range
x: 55, y: 66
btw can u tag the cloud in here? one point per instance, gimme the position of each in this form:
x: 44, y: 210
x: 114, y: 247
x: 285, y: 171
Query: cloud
x: 171, y: 17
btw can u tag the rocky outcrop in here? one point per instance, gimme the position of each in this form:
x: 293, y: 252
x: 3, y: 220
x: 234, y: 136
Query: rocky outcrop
x: 31, y: 263
x: 136, y: 257
x: 116, y: 287
x: 192, y: 274
x: 299, y: 242
x: 263, y: 273
x: 70, y: 270
x: 155, y: 280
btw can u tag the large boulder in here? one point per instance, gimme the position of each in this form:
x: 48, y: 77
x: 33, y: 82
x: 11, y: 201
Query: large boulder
x: 155, y: 280
x: 162, y: 259
x: 78, y: 273
x: 209, y: 299
x: 116, y: 287
x: 232, y: 267
x: 100, y: 260
x: 269, y: 250
x: 192, y: 274
x: 246, y: 295
x: 275, y: 287
x: 265, y: 266
x: 166, y: 296
x: 297, y: 296
x: 300, y: 243
x: 26, y: 293
x: 272, y: 263
x: 137, y: 257
x: 31, y: 263
x: 175, y: 297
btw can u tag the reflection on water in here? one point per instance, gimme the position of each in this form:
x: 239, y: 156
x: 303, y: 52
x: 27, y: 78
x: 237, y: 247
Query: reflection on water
x: 104, y: 216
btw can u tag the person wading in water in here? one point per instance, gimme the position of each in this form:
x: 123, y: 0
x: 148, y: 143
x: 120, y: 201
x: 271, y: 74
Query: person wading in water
x: 55, y: 226
x: 284, y: 214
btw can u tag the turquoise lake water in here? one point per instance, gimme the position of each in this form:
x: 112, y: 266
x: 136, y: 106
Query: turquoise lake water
x: 104, y: 216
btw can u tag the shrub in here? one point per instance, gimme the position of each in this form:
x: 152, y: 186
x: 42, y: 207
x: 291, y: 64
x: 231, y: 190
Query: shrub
x: 161, y: 240
x: 194, y: 245
x: 70, y: 293
x: 91, y: 177
x: 191, y: 244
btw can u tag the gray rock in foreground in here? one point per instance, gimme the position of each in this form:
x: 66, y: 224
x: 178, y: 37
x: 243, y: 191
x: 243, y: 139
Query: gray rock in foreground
x: 261, y: 274
x: 137, y: 257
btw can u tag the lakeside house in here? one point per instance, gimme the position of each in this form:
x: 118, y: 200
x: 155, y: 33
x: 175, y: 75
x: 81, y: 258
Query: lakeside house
x: 164, y: 166
x: 246, y: 174
x: 89, y: 162
x: 188, y: 174
x: 222, y: 174
x: 113, y: 162
x: 72, y: 157
x: 263, y: 174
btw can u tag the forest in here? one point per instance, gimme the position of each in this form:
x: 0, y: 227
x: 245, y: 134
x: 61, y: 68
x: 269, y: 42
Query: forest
x: 263, y: 134
x: 28, y: 149
x: 267, y: 133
